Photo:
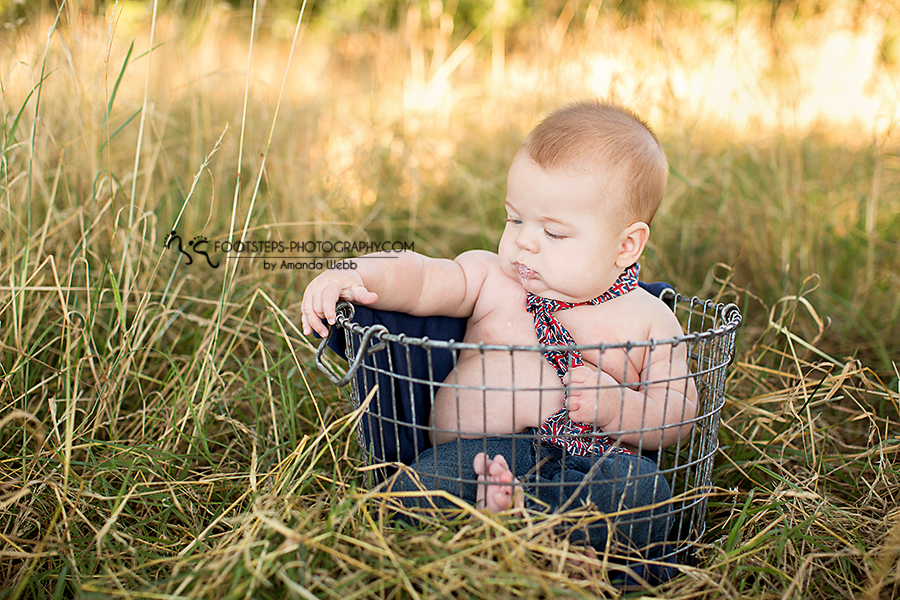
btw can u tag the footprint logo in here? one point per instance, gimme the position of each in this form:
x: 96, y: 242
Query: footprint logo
x: 198, y: 244
x: 174, y: 237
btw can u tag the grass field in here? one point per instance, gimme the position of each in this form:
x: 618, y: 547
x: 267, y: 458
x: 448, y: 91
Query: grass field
x: 163, y: 430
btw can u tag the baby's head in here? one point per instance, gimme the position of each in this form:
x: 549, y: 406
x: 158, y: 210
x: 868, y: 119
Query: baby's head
x: 581, y: 193
x: 610, y: 142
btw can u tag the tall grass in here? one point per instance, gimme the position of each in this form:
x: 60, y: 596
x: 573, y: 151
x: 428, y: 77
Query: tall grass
x: 162, y: 431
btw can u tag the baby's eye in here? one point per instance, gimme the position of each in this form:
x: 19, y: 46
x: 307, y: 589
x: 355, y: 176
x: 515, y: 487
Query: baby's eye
x: 513, y: 221
x: 553, y: 236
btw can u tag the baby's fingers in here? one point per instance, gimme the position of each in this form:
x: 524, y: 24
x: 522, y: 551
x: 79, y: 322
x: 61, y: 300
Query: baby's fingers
x: 317, y: 299
x: 321, y: 302
x: 325, y: 303
x: 360, y: 295
x: 312, y: 322
x: 580, y: 408
x: 311, y: 317
x: 580, y: 374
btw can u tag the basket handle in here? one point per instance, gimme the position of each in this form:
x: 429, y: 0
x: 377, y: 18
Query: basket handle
x: 363, y: 351
x: 732, y: 315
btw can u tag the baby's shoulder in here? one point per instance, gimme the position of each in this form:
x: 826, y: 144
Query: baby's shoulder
x: 477, y: 259
x: 479, y: 268
x: 655, y: 314
x: 479, y: 265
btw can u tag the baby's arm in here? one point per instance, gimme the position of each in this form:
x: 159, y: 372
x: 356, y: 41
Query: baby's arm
x: 399, y: 281
x: 662, y: 406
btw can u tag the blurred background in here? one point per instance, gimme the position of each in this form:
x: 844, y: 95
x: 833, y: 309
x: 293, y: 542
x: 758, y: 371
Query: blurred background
x: 397, y: 121
x: 163, y: 429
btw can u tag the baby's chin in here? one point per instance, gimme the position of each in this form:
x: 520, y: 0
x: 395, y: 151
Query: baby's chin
x: 533, y: 283
x: 538, y: 287
x: 552, y: 295
x: 563, y: 295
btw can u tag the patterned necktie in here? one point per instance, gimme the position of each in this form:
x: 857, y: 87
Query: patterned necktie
x: 576, y: 438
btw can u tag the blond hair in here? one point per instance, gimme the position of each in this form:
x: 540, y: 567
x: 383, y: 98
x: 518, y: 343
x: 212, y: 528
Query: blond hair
x: 590, y: 134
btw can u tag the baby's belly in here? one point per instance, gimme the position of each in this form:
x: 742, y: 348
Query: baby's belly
x: 505, y: 393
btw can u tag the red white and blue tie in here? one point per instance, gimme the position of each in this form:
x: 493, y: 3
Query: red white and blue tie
x: 559, y: 429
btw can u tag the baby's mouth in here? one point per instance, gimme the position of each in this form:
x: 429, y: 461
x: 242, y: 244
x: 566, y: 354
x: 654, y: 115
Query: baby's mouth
x: 524, y: 272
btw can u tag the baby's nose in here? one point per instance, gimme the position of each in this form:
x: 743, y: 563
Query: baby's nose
x: 526, y: 240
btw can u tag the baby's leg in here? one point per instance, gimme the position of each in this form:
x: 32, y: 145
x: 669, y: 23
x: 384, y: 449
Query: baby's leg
x: 449, y: 467
x: 498, y: 488
x: 627, y: 489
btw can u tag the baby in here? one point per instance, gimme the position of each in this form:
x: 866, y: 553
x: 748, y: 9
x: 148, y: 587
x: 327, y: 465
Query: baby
x: 581, y: 193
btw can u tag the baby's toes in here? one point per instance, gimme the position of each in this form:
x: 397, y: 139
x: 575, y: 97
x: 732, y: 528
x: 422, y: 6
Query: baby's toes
x: 480, y: 464
x: 500, y: 498
x: 499, y: 468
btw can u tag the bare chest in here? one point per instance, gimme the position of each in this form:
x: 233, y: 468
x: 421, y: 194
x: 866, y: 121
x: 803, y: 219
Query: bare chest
x: 501, y: 319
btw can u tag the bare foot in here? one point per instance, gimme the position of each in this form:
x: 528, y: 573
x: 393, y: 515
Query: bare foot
x: 498, y: 489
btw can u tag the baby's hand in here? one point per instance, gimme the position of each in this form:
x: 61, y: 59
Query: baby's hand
x: 323, y: 293
x: 592, y: 397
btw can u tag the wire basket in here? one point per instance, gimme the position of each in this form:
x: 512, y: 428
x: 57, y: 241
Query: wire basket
x: 398, y: 373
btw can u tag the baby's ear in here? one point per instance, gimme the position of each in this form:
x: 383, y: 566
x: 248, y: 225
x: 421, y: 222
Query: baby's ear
x: 634, y: 239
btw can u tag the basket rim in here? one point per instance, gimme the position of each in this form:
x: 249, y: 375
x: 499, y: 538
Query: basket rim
x: 729, y: 312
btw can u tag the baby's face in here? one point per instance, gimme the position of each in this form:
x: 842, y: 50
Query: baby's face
x: 560, y: 240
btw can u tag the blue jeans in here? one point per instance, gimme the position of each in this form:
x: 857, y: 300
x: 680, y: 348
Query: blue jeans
x: 554, y: 481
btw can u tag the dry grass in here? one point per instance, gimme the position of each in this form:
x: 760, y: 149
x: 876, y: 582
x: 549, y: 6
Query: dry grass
x: 162, y: 433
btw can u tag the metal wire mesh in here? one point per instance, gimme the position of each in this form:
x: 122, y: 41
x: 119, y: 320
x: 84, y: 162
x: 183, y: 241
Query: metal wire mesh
x: 399, y: 376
